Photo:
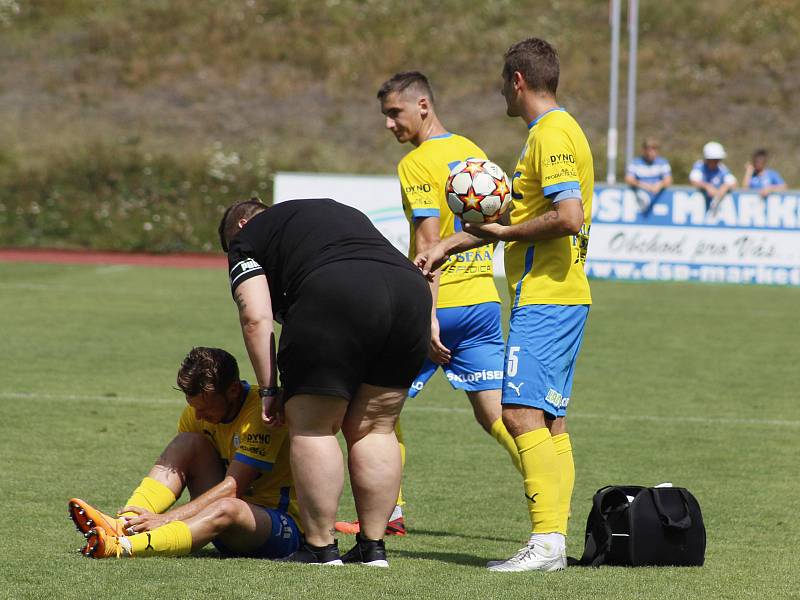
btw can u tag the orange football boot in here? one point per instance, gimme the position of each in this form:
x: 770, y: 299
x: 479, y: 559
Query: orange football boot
x: 86, y: 518
x: 394, y: 527
x: 100, y: 544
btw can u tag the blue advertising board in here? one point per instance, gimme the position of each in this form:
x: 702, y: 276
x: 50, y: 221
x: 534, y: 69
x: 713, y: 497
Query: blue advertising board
x: 748, y: 239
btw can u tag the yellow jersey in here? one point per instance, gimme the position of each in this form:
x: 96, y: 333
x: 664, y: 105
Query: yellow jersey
x: 466, y: 278
x: 247, y: 439
x: 556, y: 158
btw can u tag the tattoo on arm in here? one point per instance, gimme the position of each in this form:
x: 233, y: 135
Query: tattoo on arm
x: 239, y: 301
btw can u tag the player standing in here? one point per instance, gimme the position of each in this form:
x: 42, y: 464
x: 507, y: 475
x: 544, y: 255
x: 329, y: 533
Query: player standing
x: 466, y: 336
x: 546, y: 241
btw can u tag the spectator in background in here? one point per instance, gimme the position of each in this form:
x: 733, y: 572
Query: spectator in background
x: 711, y: 176
x: 648, y: 174
x: 758, y: 177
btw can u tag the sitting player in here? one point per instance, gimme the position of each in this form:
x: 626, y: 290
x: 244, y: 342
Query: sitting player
x: 236, y: 469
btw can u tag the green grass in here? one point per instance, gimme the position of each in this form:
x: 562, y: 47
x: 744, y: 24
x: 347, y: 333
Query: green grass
x: 694, y: 384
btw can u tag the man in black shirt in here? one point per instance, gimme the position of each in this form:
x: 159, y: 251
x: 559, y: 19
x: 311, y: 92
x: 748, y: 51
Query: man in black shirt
x: 356, y: 328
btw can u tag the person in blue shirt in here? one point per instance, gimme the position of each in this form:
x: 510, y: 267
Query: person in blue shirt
x: 711, y: 176
x: 648, y: 174
x: 758, y: 177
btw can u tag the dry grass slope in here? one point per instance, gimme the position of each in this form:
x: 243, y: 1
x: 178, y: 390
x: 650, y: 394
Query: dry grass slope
x: 129, y: 124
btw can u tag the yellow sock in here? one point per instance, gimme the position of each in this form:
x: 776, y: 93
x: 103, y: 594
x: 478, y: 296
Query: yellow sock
x: 399, y: 433
x: 542, y: 478
x: 172, y: 539
x: 151, y: 495
x: 566, y: 466
x: 500, y: 433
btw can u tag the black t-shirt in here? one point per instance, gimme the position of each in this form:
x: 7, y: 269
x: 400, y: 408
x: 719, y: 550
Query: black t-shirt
x: 290, y: 240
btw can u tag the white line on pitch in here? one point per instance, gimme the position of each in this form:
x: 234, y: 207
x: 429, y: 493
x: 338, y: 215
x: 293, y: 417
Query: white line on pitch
x: 414, y: 406
x: 656, y: 418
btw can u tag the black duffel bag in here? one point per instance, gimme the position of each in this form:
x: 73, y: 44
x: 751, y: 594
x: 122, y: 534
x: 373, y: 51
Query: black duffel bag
x: 634, y: 526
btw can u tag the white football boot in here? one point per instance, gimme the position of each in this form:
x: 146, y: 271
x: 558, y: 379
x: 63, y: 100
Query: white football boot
x: 543, y: 552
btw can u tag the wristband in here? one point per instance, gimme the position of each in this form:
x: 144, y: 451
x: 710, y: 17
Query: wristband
x: 267, y: 392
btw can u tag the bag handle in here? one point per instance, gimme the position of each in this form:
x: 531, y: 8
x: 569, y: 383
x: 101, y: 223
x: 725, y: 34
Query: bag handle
x: 600, y: 554
x: 683, y: 523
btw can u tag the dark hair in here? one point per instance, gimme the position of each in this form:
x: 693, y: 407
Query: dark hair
x: 650, y: 142
x: 760, y: 153
x: 400, y: 82
x: 229, y: 223
x: 207, y: 369
x: 537, y: 61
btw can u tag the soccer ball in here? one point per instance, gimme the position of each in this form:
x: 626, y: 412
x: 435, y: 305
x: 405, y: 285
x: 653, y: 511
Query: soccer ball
x: 478, y: 191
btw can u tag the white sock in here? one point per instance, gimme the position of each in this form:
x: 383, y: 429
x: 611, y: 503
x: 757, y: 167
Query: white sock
x: 551, y: 542
x: 396, y: 513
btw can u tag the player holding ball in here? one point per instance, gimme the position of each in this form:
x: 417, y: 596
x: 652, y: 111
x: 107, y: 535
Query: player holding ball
x: 466, y: 337
x: 546, y: 236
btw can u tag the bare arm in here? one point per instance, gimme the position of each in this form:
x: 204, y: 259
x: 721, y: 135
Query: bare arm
x: 632, y: 181
x: 237, y: 480
x: 705, y: 187
x: 255, y: 316
x: 563, y: 219
x: 433, y: 258
x: 426, y: 237
x: 770, y: 189
x: 664, y: 183
x: 748, y: 175
x: 724, y: 189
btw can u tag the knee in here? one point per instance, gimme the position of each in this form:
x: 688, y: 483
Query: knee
x: 355, y: 429
x: 192, y: 443
x: 511, y: 424
x: 186, y: 449
x: 485, y: 420
x: 225, y: 512
x: 314, y: 415
x: 486, y: 407
x: 519, y: 419
x: 557, y: 426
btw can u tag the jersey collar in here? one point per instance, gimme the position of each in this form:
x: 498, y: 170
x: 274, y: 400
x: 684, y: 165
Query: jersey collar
x: 539, y: 118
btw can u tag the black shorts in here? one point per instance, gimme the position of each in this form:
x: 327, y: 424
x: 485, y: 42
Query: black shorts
x: 354, y: 322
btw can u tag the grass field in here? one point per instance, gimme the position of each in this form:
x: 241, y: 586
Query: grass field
x: 694, y: 384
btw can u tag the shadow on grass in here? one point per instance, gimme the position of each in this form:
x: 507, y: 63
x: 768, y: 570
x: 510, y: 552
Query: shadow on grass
x: 467, y: 536
x: 457, y: 558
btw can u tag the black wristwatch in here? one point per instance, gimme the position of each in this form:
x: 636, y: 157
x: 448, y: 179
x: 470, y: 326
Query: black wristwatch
x: 267, y: 392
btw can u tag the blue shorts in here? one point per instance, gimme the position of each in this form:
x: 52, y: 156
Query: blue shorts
x: 283, y: 539
x: 543, y: 345
x: 475, y: 340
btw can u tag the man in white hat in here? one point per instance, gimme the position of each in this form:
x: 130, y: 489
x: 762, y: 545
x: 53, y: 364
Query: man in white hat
x: 711, y: 176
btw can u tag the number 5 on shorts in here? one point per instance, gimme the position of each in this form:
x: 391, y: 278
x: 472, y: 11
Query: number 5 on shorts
x: 512, y: 361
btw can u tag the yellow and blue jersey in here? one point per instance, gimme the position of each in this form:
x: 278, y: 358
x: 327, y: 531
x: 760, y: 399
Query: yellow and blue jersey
x: 556, y: 159
x: 466, y: 278
x: 247, y: 439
